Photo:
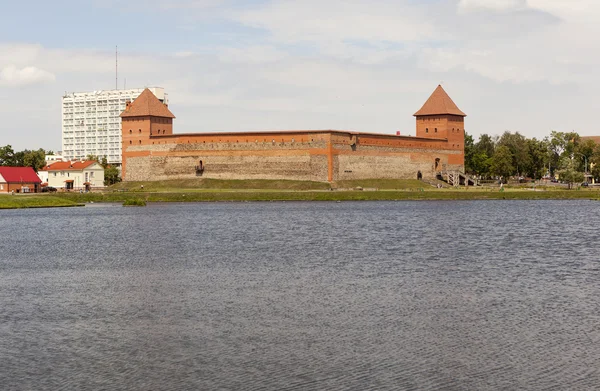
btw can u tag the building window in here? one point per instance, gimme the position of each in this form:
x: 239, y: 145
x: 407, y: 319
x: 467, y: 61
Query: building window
x: 129, y: 141
x: 436, y: 130
x: 139, y: 130
x: 130, y: 131
x: 54, y: 174
x: 426, y: 130
x: 140, y: 141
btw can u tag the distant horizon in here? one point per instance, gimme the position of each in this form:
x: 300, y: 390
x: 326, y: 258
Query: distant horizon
x: 526, y: 66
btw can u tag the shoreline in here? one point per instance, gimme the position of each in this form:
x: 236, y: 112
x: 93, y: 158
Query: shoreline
x: 336, y: 195
x: 210, y: 190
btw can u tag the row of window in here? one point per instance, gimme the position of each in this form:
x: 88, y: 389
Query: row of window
x: 155, y: 120
x: 140, y: 131
x: 436, y: 130
x: 62, y: 173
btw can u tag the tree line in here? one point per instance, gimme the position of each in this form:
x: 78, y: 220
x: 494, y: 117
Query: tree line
x: 35, y: 159
x: 562, y: 154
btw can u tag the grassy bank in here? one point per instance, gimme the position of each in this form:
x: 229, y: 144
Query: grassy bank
x: 382, y: 184
x: 200, y: 184
x: 210, y: 190
x: 240, y: 195
x: 35, y: 201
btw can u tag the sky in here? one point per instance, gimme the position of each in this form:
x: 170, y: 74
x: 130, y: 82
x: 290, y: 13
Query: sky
x: 530, y: 66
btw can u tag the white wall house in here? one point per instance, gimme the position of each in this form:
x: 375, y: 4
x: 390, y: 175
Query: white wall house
x: 43, y: 175
x: 75, y: 175
x: 91, y: 124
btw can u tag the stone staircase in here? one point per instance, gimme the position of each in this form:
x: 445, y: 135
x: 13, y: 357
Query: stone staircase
x: 457, y: 178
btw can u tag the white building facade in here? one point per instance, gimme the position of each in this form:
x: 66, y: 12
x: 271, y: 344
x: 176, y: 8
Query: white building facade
x: 79, y: 175
x: 91, y: 124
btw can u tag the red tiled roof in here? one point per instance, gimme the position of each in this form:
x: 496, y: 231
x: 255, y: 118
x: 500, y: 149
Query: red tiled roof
x: 19, y: 175
x: 439, y: 103
x: 147, y: 104
x: 595, y: 139
x: 69, y: 166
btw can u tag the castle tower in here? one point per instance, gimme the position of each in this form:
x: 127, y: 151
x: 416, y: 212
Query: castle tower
x: 440, y: 118
x: 142, y: 119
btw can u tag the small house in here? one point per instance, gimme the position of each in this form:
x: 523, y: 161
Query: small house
x: 75, y: 175
x: 19, y: 180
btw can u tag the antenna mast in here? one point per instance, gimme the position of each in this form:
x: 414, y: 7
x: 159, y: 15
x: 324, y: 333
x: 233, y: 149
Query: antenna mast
x: 116, y: 68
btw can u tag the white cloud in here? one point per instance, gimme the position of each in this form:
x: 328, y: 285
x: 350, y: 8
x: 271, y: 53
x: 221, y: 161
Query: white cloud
x: 356, y: 64
x: 188, y: 4
x: 251, y: 54
x: 495, y: 5
x: 16, y: 77
x: 338, y: 20
x: 184, y: 54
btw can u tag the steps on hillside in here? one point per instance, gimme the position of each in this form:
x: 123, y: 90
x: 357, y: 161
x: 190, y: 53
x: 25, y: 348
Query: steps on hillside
x: 457, y: 178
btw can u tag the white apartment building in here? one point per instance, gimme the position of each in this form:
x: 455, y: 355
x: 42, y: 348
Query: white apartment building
x: 91, y: 122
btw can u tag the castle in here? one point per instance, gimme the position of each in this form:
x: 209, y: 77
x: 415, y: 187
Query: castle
x: 152, y: 152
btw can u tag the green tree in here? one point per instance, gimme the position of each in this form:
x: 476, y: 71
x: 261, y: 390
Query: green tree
x: 19, y: 159
x: 562, y: 145
x: 519, y: 150
x: 481, y: 164
x: 569, y: 174
x: 7, y: 156
x: 583, y: 153
x: 34, y: 159
x: 486, y: 144
x: 539, y: 157
x: 594, y: 163
x: 469, y: 154
x: 501, y: 162
x: 111, y: 176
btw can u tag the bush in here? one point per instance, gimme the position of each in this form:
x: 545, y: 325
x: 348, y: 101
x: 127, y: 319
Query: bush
x: 134, y: 202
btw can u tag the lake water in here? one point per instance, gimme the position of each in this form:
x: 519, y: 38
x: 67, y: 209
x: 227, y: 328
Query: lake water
x: 482, y: 295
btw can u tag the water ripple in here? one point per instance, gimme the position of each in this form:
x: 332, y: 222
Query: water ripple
x: 494, y: 295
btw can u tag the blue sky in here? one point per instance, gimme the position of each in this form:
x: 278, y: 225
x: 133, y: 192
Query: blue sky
x: 518, y: 65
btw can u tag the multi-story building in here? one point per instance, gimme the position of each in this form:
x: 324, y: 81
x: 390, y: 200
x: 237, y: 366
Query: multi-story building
x: 91, y: 124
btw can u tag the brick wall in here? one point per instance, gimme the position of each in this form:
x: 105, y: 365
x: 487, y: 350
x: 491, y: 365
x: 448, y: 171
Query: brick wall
x: 319, y: 157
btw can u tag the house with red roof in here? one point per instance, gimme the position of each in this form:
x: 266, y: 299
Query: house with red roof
x: 75, y: 175
x: 19, y: 180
